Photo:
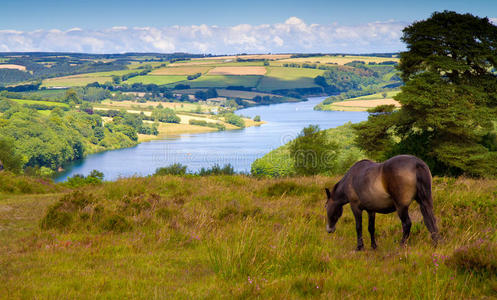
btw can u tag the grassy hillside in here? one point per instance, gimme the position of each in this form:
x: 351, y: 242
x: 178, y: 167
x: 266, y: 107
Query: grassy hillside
x: 236, y: 237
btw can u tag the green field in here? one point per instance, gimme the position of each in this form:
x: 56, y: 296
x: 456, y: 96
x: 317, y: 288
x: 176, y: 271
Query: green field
x: 108, y: 74
x: 236, y: 237
x: 376, y: 96
x: 288, y: 78
x: 156, y: 79
x: 224, y: 81
x: 74, y: 81
x: 49, y: 103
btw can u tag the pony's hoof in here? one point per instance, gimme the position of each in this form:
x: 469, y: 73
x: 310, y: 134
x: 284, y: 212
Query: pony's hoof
x: 374, y: 246
x: 359, y: 248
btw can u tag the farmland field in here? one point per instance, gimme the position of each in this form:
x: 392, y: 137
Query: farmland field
x: 288, y: 78
x: 77, y: 80
x: 336, y: 59
x: 48, y: 103
x: 156, y: 79
x: 237, y: 71
x: 10, y: 66
x: 359, y: 105
x: 179, y: 70
x: 224, y: 81
x: 249, y: 56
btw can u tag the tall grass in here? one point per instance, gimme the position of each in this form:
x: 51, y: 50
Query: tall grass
x: 240, y: 237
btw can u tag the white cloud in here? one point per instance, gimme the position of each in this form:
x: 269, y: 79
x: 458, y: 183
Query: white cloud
x: 293, y: 35
x: 493, y: 20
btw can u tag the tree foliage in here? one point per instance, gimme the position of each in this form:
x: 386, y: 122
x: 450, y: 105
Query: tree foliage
x: 449, y: 99
x: 312, y: 152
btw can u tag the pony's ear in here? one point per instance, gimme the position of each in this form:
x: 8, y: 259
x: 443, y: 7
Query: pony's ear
x: 328, y: 193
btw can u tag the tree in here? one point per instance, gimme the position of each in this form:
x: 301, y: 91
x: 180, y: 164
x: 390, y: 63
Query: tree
x: 312, y: 152
x: 257, y: 118
x: 9, y: 159
x: 449, y: 98
x: 71, y: 96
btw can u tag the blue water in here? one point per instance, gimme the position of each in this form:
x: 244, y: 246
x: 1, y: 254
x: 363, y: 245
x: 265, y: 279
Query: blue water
x: 237, y: 147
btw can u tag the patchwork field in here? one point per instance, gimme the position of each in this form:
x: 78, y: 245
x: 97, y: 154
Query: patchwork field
x: 288, y: 78
x: 361, y: 105
x: 179, y: 70
x: 48, y: 103
x: 335, y: 59
x: 76, y: 80
x: 249, y: 56
x: 237, y: 71
x: 222, y: 81
x: 152, y: 104
x: 155, y: 79
x: 10, y: 66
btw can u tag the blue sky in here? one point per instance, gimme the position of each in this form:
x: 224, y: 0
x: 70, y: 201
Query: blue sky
x: 217, y: 26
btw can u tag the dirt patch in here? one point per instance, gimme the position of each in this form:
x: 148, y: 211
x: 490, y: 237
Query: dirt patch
x: 237, y: 71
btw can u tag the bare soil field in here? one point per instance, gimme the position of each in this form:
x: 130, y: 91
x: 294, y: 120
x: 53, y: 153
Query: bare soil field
x: 237, y: 71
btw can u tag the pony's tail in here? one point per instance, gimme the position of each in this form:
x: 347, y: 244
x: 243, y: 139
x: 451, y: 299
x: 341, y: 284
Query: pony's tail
x: 425, y: 200
x: 423, y: 183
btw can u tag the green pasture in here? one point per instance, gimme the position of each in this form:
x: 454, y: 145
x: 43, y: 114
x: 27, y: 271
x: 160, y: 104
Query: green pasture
x: 156, y: 79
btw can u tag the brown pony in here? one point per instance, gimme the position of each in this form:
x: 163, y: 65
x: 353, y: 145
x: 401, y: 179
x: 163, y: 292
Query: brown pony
x: 383, y: 188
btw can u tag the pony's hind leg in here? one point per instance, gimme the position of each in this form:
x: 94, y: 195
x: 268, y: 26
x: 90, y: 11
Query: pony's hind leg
x: 403, y: 213
x: 371, y: 218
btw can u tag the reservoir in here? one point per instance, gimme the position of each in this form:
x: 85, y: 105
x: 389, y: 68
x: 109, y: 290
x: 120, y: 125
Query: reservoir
x: 236, y: 147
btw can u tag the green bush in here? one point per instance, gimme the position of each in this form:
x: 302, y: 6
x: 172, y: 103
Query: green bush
x: 234, y: 120
x: 95, y: 177
x: 174, y: 169
x: 217, y: 170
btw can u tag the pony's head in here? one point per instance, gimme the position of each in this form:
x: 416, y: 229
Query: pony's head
x: 334, y: 209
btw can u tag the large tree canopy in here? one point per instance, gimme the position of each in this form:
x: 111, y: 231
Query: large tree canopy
x: 449, y: 100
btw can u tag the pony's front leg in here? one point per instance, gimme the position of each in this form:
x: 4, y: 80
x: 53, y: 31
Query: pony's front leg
x: 358, y: 227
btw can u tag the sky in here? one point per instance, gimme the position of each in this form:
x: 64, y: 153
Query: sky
x: 218, y: 26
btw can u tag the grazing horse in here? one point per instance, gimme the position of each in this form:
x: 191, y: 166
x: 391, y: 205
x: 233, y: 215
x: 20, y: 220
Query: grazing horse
x: 383, y: 188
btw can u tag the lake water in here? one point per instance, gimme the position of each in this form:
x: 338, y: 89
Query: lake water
x: 237, y: 147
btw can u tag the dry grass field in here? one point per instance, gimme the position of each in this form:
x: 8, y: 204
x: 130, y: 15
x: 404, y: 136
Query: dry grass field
x: 237, y: 71
x: 10, y: 66
x: 249, y: 56
x: 236, y: 237
x: 365, y: 104
x: 337, y: 59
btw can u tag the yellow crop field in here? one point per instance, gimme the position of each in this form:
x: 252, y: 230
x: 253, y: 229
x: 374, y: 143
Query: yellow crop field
x: 335, y: 59
x: 249, y: 56
x: 10, y: 66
